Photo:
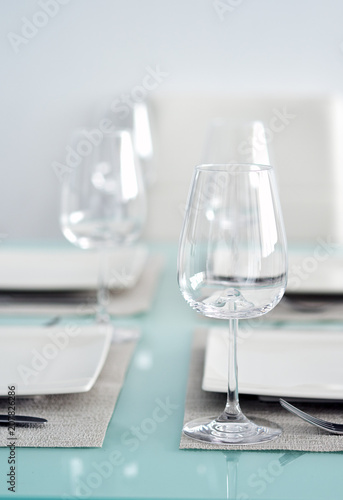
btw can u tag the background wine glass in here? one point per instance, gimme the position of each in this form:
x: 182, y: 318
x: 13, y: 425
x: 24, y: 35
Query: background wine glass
x: 103, y: 202
x: 229, y: 142
x: 232, y: 264
x: 138, y: 118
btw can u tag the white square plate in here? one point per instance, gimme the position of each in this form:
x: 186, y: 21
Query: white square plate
x: 281, y: 363
x: 68, y: 268
x: 52, y: 360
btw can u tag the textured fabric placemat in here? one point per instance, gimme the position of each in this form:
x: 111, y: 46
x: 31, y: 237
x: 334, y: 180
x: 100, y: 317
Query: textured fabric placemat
x: 74, y: 420
x: 122, y: 303
x: 297, y: 434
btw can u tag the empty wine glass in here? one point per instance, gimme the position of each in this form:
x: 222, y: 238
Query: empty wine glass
x: 138, y: 119
x: 229, y: 142
x: 232, y: 264
x: 103, y: 202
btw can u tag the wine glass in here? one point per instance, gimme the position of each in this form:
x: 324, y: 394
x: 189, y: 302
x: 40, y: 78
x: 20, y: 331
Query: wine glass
x: 232, y: 142
x: 232, y: 264
x: 103, y: 203
x: 138, y: 119
x: 142, y: 135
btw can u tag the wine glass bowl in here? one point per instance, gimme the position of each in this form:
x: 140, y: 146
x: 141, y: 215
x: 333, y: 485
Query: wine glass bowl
x: 232, y: 142
x: 103, y: 203
x: 103, y: 199
x: 232, y: 264
x: 138, y: 119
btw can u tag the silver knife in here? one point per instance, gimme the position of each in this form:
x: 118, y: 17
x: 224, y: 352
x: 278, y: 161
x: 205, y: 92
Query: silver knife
x: 19, y: 419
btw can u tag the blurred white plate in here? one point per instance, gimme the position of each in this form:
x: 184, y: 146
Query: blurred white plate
x: 52, y: 360
x: 68, y: 269
x: 315, y: 272
x: 287, y: 363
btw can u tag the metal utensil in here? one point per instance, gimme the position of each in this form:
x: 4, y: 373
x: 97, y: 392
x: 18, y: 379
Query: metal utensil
x: 318, y: 422
x: 38, y: 297
x: 20, y: 419
x: 309, y: 303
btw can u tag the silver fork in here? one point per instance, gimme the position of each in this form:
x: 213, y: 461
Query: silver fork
x: 318, y: 422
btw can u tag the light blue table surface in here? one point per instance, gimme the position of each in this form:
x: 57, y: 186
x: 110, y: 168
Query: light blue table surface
x: 151, y: 466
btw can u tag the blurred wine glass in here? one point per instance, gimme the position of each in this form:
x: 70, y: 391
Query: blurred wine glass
x: 229, y: 142
x: 137, y: 117
x: 103, y: 203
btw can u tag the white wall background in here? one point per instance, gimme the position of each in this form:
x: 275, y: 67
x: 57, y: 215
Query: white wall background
x: 92, y: 49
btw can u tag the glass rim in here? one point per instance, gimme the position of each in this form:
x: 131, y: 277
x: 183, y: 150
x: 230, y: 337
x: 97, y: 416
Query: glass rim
x: 228, y: 167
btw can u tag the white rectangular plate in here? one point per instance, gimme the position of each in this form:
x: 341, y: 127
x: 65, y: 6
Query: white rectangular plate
x: 52, y: 360
x: 68, y: 269
x: 287, y: 363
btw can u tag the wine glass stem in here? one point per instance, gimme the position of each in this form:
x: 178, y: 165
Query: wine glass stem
x: 232, y: 404
x: 102, y: 315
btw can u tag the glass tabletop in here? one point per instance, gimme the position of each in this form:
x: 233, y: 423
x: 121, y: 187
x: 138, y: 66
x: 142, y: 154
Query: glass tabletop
x: 140, y: 457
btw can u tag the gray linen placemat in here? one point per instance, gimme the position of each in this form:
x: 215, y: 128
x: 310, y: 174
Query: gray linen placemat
x: 122, y: 303
x: 74, y: 420
x: 297, y: 434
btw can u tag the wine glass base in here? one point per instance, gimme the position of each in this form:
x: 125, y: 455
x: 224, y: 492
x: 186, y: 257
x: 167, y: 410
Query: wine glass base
x: 241, y: 432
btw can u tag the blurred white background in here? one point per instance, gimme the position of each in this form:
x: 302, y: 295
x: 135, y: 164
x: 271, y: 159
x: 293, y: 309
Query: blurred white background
x: 64, y: 73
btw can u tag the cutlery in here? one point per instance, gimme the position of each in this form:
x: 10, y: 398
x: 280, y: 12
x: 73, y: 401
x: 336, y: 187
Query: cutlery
x: 313, y: 301
x: 46, y: 297
x: 19, y: 419
x: 318, y: 422
x: 312, y: 307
